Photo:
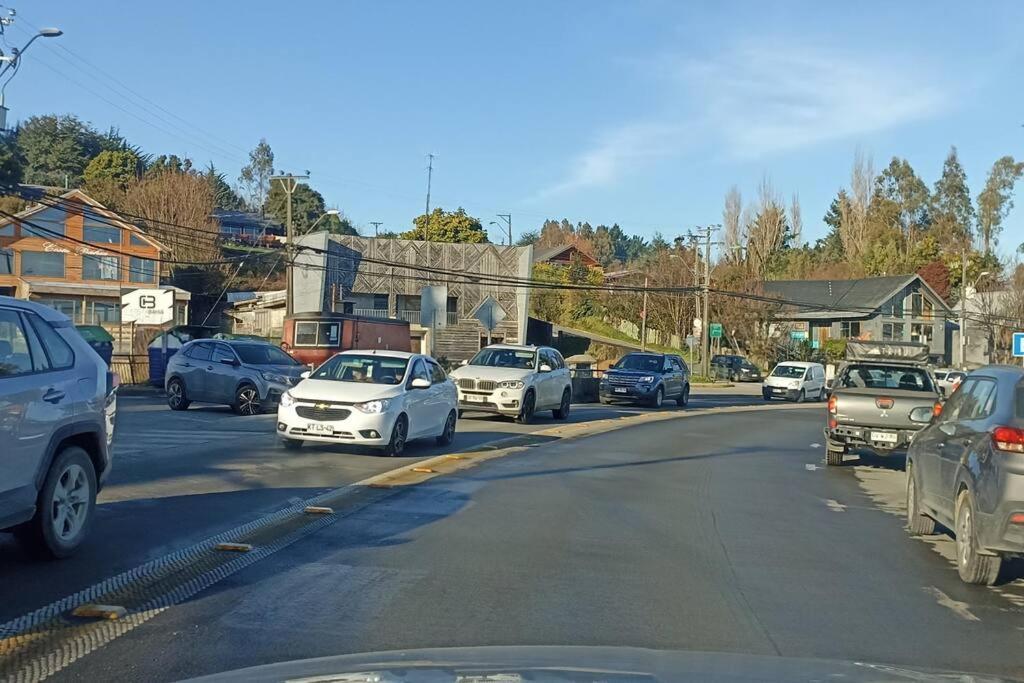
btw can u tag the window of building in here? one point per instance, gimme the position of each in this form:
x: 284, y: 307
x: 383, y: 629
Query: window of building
x: 48, y: 263
x: 927, y: 309
x: 48, y: 223
x: 100, y: 312
x: 101, y: 267
x: 7, y: 230
x: 141, y: 270
x: 892, y: 331
x: 100, y: 233
x: 916, y: 305
x: 6, y: 262
x: 136, y: 241
x: 380, y: 302
x: 893, y: 308
x: 329, y: 334
x: 921, y: 333
x: 305, y: 333
x: 181, y: 314
x: 849, y: 329
x: 69, y: 307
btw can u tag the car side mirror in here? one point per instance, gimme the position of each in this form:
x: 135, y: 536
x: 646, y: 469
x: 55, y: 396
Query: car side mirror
x: 922, y: 415
x: 829, y: 383
x: 544, y: 367
x: 305, y: 374
x: 230, y: 361
x: 420, y: 383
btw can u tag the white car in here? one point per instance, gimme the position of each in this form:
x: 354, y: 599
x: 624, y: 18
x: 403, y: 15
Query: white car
x: 517, y: 381
x: 370, y: 398
x: 949, y: 379
x: 795, y: 380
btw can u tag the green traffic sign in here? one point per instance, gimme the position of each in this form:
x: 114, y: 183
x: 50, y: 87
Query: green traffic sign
x: 715, y: 330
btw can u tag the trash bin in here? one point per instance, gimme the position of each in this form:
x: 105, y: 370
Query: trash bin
x: 99, y: 339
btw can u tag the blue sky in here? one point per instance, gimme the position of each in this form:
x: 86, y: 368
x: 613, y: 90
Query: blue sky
x: 642, y: 113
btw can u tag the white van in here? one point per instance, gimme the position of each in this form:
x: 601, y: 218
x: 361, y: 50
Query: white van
x: 796, y: 381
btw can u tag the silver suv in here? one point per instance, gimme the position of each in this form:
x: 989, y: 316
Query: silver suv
x: 244, y: 374
x: 57, y: 408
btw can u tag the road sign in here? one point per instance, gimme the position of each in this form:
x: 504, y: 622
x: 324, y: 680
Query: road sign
x: 715, y: 330
x: 798, y: 335
x: 490, y: 313
x: 434, y: 306
x: 691, y: 342
x: 1018, y: 344
x: 148, y: 306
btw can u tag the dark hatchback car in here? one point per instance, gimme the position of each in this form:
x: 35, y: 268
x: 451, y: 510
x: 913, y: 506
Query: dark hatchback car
x: 966, y: 470
x: 649, y: 378
x: 734, y: 369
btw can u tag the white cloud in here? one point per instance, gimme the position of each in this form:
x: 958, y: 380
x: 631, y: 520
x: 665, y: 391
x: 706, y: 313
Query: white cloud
x: 750, y: 102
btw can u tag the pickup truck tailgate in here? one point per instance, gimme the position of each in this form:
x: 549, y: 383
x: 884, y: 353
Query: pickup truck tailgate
x: 889, y: 409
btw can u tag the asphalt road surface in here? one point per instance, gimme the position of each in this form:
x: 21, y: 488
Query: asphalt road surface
x: 180, y: 477
x: 720, y: 532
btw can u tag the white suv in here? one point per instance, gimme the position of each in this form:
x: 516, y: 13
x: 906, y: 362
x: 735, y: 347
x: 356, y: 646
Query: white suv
x: 517, y: 381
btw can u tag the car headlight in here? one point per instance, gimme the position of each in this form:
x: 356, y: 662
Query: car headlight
x: 512, y: 384
x: 373, y: 407
x: 287, y: 399
x: 647, y: 379
x: 274, y: 377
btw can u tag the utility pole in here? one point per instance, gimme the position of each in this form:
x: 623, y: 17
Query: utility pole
x: 430, y: 174
x: 963, y: 310
x: 704, y: 327
x: 288, y: 183
x: 643, y: 320
x: 376, y: 227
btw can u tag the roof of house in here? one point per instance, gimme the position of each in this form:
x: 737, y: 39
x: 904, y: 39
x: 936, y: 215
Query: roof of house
x: 842, y: 298
x: 245, y: 219
x: 542, y: 255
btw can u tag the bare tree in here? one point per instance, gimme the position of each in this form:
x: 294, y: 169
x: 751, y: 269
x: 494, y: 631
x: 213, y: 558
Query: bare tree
x: 731, y: 215
x: 766, y: 233
x: 796, y: 221
x: 853, y: 214
x: 182, y: 199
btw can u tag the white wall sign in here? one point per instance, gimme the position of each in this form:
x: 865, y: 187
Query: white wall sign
x: 148, y: 306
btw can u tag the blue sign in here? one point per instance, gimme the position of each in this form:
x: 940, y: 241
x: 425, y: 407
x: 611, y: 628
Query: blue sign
x: 1018, y: 344
x: 797, y: 335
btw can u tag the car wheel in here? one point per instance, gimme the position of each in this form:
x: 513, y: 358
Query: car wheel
x: 801, y: 396
x: 291, y: 444
x: 917, y: 523
x: 66, y: 505
x: 684, y: 398
x: 177, y: 399
x: 448, y: 435
x: 659, y: 398
x: 562, y: 412
x: 834, y: 457
x: 605, y: 401
x: 766, y: 396
x: 247, y: 400
x: 525, y: 415
x: 972, y: 566
x: 732, y: 377
x: 399, y: 434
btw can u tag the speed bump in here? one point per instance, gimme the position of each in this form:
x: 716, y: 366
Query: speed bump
x: 91, y: 611
x: 425, y: 470
x: 318, y: 510
x: 234, y: 547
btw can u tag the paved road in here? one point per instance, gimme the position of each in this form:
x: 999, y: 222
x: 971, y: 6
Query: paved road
x: 180, y: 477
x: 715, y: 533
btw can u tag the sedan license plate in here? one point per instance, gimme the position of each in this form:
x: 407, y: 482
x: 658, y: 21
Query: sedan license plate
x: 475, y: 398
x: 316, y: 428
x: 778, y: 390
x: 619, y: 390
x: 885, y: 437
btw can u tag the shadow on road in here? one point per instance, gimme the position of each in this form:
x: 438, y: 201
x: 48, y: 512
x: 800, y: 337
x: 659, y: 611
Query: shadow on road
x: 865, y: 458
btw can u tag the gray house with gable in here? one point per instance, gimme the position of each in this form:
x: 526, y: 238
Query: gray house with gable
x: 891, y: 308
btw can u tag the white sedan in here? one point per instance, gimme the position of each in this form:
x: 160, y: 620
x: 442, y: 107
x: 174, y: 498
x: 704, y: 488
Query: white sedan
x: 370, y: 398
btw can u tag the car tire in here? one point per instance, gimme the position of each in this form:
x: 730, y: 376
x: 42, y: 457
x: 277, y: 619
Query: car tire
x: 732, y: 377
x: 247, y: 400
x: 66, y: 506
x: 973, y: 567
x: 605, y: 401
x: 562, y: 412
x: 800, y: 396
x: 834, y: 457
x: 399, y: 437
x: 766, y: 396
x: 177, y: 399
x: 659, y: 398
x: 525, y: 415
x: 684, y: 397
x: 918, y: 524
x: 446, y: 437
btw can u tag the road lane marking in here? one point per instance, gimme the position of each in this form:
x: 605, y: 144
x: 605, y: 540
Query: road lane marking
x: 815, y: 445
x: 835, y: 505
x: 810, y: 467
x: 958, y: 608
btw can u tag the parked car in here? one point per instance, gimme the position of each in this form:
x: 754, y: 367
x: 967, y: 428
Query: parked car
x: 649, y: 378
x: 734, y: 369
x: 873, y: 395
x: 965, y: 469
x: 371, y: 398
x: 58, y: 403
x: 948, y: 379
x: 247, y: 375
x: 796, y: 381
x: 517, y: 381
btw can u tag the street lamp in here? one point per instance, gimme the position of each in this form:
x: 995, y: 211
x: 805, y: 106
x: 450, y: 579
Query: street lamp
x: 328, y: 212
x: 963, y: 310
x: 13, y: 63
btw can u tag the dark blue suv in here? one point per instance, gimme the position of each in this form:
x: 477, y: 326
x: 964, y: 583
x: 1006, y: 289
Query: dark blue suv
x: 649, y: 378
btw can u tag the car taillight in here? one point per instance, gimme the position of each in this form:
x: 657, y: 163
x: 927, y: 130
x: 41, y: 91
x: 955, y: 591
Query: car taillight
x: 113, y: 382
x: 833, y: 423
x: 832, y: 401
x: 1008, y: 439
x: 936, y: 409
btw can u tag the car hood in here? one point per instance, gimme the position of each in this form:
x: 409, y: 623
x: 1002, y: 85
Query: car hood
x: 612, y: 372
x: 774, y: 381
x: 343, y: 392
x: 292, y: 371
x: 488, y: 372
x: 577, y: 664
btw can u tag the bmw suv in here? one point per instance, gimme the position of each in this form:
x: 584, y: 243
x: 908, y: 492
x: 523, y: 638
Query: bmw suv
x: 57, y: 406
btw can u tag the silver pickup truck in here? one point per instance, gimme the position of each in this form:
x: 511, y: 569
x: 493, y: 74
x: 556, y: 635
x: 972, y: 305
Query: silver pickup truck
x: 872, y: 396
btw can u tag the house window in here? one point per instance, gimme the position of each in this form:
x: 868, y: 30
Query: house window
x: 48, y: 223
x: 7, y: 230
x: 916, y: 305
x: 142, y: 270
x: 927, y: 310
x: 104, y: 313
x: 69, y: 307
x: 6, y: 262
x: 849, y: 329
x: 49, y: 263
x: 893, y: 309
x: 892, y: 331
x: 921, y: 333
x: 101, y: 268
x: 97, y: 233
x: 380, y: 302
x: 137, y: 241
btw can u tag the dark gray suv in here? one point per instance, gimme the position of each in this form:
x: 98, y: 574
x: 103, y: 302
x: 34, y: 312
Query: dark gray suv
x: 966, y: 470
x: 57, y: 408
x: 244, y: 374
